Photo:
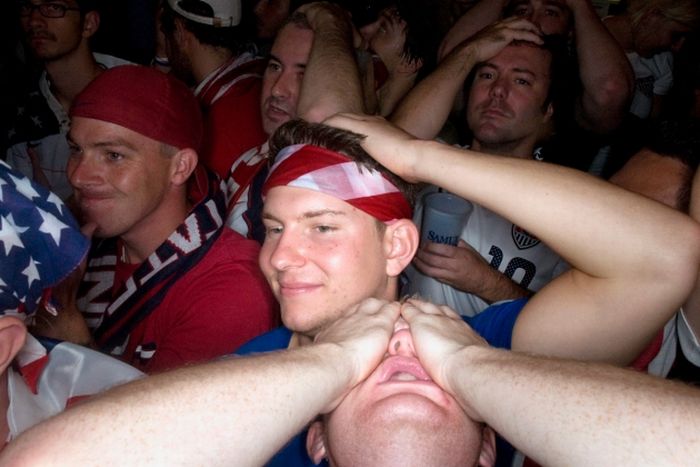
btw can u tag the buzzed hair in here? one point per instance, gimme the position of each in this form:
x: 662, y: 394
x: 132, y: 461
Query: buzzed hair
x: 334, y: 139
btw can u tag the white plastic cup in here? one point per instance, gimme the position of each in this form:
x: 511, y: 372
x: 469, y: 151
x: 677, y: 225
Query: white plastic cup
x: 444, y: 218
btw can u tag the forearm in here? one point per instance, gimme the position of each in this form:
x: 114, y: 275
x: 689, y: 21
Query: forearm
x: 639, y: 269
x: 569, y: 413
x: 496, y: 287
x: 424, y: 110
x: 605, y: 72
x: 562, y: 207
x: 476, y: 18
x: 331, y: 81
x: 241, y: 410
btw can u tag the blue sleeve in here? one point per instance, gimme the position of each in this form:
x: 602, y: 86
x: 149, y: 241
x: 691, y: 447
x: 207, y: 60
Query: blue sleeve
x: 496, y: 323
x: 277, y: 339
x: 294, y: 453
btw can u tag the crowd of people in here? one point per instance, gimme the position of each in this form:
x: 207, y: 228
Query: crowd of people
x: 253, y: 163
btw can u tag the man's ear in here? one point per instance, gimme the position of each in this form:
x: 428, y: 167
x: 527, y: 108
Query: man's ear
x: 487, y: 458
x: 181, y: 34
x: 400, y: 244
x: 91, y: 23
x: 13, y: 333
x: 315, y: 442
x: 549, y: 112
x: 183, y: 164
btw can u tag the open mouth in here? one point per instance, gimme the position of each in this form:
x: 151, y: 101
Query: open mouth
x: 403, y: 369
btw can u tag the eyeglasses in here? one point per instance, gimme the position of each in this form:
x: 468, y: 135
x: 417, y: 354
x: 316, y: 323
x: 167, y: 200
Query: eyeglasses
x: 47, y: 10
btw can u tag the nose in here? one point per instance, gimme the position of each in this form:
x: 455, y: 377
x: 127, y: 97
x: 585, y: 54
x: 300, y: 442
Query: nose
x: 82, y: 171
x: 287, y: 253
x: 499, y: 88
x: 34, y: 15
x: 282, y: 86
x: 401, y: 342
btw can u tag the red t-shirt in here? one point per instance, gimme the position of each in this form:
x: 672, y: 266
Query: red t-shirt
x: 232, y: 123
x: 221, y: 303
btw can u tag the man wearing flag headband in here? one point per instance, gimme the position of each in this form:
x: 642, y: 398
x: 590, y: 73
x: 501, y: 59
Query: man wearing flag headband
x: 332, y: 241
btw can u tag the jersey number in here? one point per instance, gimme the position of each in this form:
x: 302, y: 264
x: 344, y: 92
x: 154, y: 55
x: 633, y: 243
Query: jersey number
x: 514, y: 264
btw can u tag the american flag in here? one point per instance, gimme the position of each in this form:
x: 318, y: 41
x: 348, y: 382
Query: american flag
x: 40, y: 242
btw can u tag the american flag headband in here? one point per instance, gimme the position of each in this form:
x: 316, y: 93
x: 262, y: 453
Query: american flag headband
x: 331, y: 173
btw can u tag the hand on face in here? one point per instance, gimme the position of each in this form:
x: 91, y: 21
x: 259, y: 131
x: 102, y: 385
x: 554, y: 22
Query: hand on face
x: 363, y: 334
x: 439, y: 335
x: 491, y: 40
x: 387, y: 144
x: 61, y: 318
x: 461, y: 266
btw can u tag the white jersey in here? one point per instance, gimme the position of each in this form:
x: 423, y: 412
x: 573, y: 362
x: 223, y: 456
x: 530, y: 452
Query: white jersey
x: 677, y: 331
x: 653, y: 77
x: 507, y: 247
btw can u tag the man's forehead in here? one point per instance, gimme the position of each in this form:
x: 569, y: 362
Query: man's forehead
x: 288, y: 201
x: 522, y: 57
x: 292, y: 42
x: 93, y: 131
x: 539, y: 3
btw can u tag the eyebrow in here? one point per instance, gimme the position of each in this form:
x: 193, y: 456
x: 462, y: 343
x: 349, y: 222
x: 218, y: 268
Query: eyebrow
x: 277, y: 59
x: 516, y: 70
x: 116, y: 142
x: 307, y: 214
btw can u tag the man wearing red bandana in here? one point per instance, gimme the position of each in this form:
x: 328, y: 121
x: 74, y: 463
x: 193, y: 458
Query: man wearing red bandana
x: 166, y: 284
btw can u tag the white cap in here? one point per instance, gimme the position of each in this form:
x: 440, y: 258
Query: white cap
x: 227, y: 13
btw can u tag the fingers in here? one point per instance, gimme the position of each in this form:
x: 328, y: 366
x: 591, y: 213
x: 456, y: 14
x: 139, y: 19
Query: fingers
x: 416, y: 305
x: 356, y: 123
x: 439, y: 249
x: 88, y: 229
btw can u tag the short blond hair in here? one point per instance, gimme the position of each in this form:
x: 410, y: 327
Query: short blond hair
x: 685, y: 12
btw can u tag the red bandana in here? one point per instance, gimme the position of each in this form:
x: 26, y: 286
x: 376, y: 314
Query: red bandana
x: 146, y: 101
x: 325, y: 171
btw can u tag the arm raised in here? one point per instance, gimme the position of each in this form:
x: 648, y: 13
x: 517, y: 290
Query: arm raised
x: 633, y: 260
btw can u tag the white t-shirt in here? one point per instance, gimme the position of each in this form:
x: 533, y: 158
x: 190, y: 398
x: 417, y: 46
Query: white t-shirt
x: 508, y: 248
x: 653, y: 76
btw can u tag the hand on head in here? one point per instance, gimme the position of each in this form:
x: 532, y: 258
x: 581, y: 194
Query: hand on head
x: 387, y: 144
x: 491, y: 40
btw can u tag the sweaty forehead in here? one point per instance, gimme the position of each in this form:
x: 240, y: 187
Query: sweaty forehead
x: 292, y: 45
x: 522, y: 57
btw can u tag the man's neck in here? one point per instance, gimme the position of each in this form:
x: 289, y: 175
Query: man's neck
x: 146, y: 236
x: 70, y: 74
x: 207, y: 59
x: 521, y: 149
